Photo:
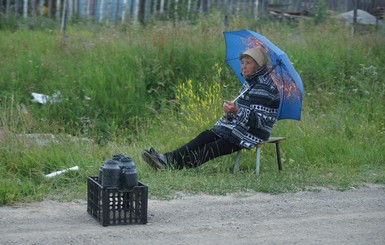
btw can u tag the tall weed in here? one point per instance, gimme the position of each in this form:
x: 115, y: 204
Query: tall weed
x: 200, y: 102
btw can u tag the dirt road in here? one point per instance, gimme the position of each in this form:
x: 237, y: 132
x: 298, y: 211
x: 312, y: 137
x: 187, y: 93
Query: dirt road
x: 323, y: 217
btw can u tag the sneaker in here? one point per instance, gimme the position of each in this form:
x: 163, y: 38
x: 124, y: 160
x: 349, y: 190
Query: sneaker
x: 152, y: 150
x: 154, y: 159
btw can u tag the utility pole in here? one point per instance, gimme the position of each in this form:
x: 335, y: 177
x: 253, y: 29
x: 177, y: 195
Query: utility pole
x: 355, y: 12
x: 355, y: 6
x: 64, y: 18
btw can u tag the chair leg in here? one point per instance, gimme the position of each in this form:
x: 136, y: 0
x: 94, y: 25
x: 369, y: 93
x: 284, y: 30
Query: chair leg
x: 278, y: 156
x: 258, y: 163
x: 236, y: 161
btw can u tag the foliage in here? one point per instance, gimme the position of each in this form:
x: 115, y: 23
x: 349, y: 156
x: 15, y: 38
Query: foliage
x: 321, y: 11
x: 200, y: 105
x: 125, y: 89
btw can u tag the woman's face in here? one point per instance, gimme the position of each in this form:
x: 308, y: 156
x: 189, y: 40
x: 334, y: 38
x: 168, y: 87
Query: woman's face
x: 248, y: 66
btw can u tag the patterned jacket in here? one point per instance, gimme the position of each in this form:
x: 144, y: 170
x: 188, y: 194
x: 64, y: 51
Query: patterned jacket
x: 257, y: 112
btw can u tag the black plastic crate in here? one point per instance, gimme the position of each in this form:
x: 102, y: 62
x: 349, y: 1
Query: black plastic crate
x: 111, y: 206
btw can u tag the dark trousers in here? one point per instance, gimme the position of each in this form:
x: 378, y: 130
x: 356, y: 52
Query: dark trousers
x: 206, y: 146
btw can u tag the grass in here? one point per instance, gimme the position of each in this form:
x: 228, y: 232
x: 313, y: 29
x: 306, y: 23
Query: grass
x: 161, y: 84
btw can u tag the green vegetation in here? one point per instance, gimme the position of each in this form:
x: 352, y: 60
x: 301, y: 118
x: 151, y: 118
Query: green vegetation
x: 159, y: 85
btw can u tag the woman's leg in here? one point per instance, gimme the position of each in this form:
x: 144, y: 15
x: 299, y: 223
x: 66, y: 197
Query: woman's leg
x: 206, y: 146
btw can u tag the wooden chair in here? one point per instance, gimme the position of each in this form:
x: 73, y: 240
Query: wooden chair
x: 271, y: 140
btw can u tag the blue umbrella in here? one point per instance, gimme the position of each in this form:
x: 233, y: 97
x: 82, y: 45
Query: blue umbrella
x: 283, y: 73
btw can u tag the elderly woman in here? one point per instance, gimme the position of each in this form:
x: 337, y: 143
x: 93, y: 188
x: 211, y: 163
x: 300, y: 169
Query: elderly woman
x: 247, y: 121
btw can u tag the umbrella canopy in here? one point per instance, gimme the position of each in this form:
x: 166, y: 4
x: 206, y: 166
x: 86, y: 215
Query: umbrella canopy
x: 283, y: 73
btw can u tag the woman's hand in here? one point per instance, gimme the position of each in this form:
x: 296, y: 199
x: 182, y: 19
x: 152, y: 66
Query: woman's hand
x: 230, y: 107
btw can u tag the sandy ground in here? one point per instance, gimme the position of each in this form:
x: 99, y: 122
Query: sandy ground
x: 356, y: 216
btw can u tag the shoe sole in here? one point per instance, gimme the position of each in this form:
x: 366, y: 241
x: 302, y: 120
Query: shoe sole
x: 152, y: 161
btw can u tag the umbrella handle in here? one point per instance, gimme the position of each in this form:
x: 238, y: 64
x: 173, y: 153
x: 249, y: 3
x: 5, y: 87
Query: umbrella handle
x: 247, y: 90
x: 237, y: 97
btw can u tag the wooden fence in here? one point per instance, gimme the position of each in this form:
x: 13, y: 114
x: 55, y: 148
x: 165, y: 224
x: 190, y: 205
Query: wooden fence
x: 142, y: 10
x: 334, y: 5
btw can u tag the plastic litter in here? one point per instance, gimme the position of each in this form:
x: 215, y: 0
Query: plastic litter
x: 55, y: 173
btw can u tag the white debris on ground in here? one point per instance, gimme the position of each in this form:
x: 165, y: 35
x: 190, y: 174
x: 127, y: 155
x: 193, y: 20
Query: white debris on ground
x: 43, y: 98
